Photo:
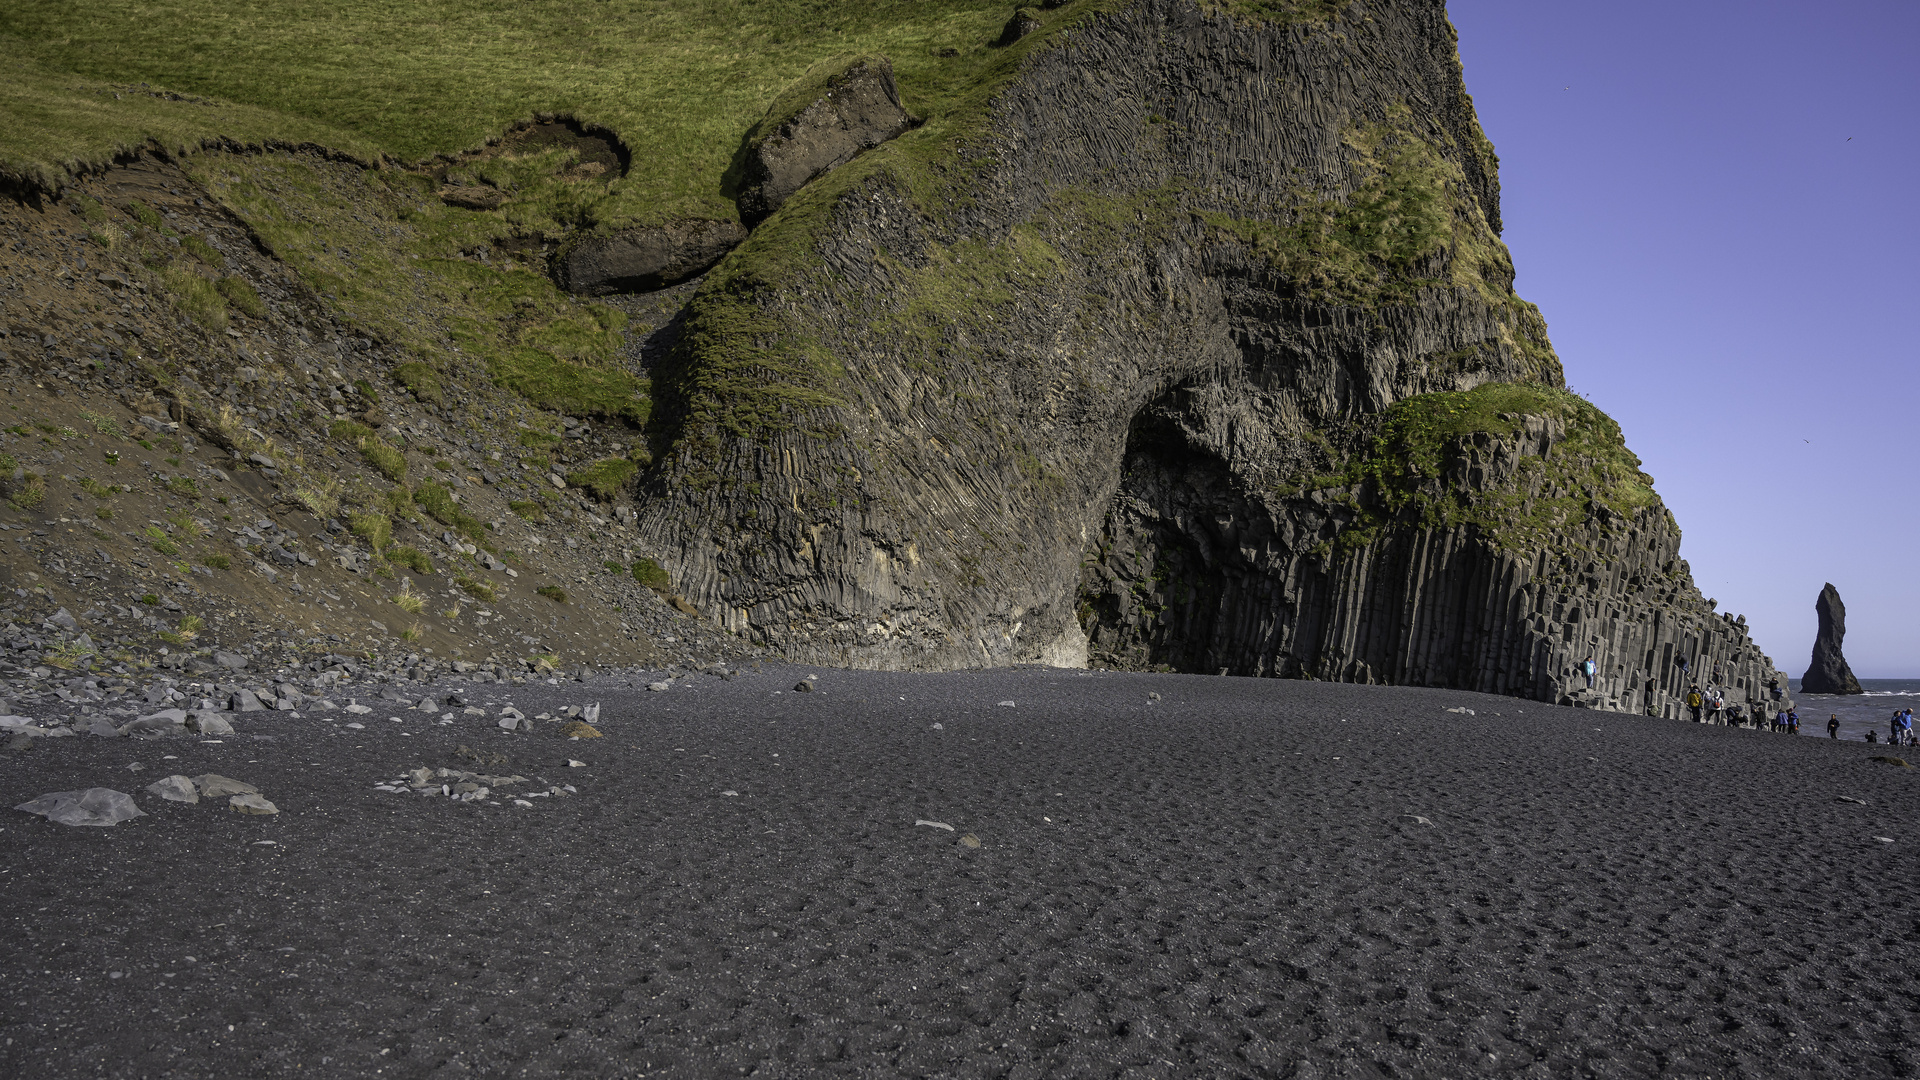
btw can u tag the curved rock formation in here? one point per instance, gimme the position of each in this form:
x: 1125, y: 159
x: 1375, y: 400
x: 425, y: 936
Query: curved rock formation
x: 817, y: 125
x: 1197, y: 349
x: 1829, y: 673
x: 639, y: 260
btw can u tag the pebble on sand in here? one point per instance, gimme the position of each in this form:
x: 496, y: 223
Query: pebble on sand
x: 252, y: 804
x: 213, y: 786
x: 175, y: 788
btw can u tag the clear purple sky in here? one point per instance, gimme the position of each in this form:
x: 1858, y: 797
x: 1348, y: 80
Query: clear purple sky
x: 1732, y: 279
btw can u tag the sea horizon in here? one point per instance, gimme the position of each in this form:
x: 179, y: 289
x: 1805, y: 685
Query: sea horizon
x: 1858, y: 713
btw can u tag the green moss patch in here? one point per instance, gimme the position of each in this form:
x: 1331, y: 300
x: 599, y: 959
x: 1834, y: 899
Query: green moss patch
x: 604, y: 478
x: 242, y: 296
x: 1400, y: 480
x: 571, y: 388
x: 410, y: 557
x: 421, y: 381
x: 652, y: 575
x: 195, y: 296
x: 1284, y: 12
x: 375, y: 529
x: 390, y: 463
x: 437, y: 500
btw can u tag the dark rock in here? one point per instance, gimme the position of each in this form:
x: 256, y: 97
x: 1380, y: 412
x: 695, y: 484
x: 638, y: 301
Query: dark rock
x: 803, y: 687
x: 1829, y: 673
x: 818, y: 125
x: 641, y: 260
x: 474, y: 198
x: 1025, y: 21
x: 211, y: 723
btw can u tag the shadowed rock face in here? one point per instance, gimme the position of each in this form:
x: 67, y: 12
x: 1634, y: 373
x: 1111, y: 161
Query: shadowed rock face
x: 1117, y: 398
x: 855, y: 110
x: 1829, y: 673
x: 640, y: 260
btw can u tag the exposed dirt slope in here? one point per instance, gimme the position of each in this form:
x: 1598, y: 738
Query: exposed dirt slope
x: 194, y: 443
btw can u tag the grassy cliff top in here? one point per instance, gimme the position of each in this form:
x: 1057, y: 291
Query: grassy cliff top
x: 679, y: 81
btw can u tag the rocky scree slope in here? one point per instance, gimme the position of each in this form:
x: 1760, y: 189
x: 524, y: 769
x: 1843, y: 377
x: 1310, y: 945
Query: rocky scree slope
x: 202, y: 456
x: 1108, y: 375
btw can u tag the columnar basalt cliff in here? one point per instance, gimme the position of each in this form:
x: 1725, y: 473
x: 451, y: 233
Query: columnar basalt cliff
x: 1199, y: 349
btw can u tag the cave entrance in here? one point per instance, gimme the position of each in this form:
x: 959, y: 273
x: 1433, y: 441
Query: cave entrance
x: 1167, y: 585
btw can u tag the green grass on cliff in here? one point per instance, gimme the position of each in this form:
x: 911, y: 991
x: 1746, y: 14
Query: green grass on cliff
x: 679, y: 81
x: 1402, y: 478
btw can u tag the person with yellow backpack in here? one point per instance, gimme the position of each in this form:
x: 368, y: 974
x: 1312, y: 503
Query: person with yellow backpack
x: 1695, y: 701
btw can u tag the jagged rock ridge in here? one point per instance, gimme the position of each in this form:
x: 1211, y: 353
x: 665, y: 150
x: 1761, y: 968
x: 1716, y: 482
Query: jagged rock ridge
x: 1137, y: 337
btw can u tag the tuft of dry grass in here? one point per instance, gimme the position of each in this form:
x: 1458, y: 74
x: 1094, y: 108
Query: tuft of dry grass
x: 321, y: 496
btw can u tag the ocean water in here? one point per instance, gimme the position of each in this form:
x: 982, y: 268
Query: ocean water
x: 1858, y: 712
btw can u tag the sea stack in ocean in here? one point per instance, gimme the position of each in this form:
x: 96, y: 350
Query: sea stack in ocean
x: 1829, y: 673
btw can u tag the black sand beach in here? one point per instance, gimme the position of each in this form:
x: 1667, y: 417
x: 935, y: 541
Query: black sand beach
x: 1242, y: 878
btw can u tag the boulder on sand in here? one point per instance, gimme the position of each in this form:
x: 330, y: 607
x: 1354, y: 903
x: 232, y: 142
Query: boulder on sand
x: 1829, y: 673
x: 94, y: 806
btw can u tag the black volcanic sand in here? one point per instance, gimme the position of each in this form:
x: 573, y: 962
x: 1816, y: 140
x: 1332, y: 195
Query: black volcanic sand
x: 1228, y: 881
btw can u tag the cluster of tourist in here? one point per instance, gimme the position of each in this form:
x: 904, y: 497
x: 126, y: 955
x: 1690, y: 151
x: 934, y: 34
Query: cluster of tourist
x: 1709, y: 705
x: 1899, y: 730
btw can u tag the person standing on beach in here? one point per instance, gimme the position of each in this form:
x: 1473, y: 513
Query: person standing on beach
x: 1587, y: 668
x: 1833, y: 726
x: 1793, y: 722
x: 1717, y: 704
x: 1694, y: 701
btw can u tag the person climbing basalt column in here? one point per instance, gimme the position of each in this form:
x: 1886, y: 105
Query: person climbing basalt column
x: 1587, y: 668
